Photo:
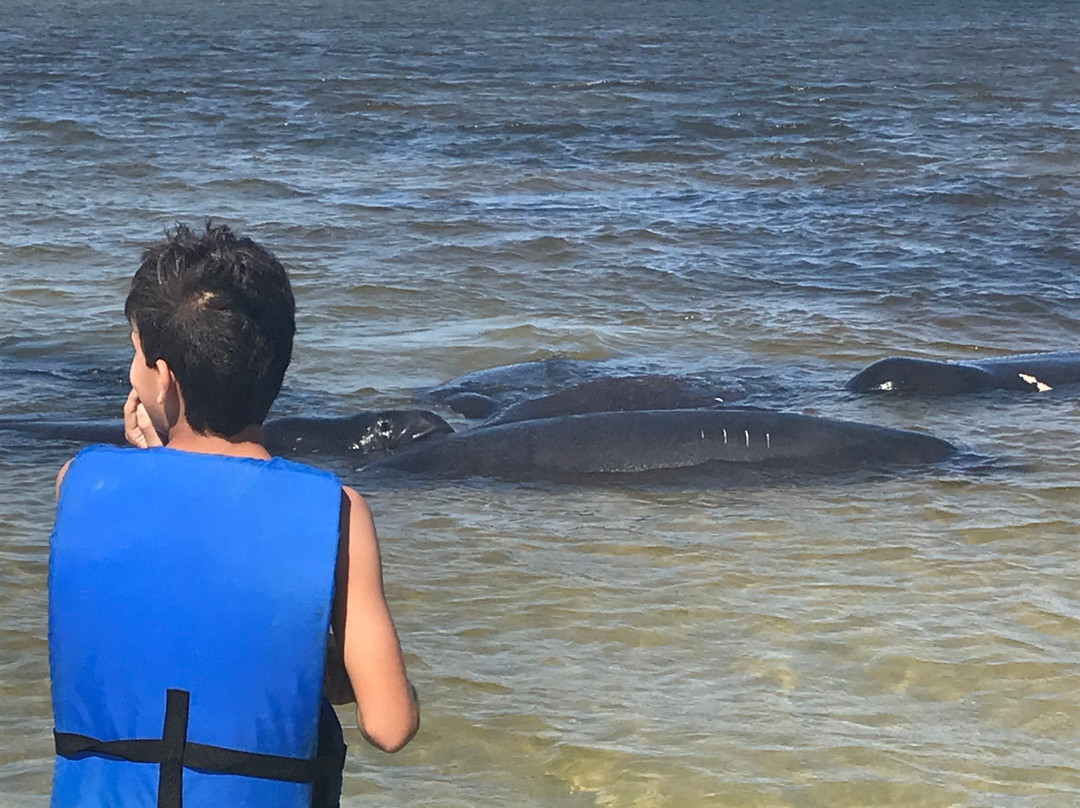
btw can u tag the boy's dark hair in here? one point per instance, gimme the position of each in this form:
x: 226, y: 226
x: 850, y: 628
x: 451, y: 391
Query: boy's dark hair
x: 219, y: 310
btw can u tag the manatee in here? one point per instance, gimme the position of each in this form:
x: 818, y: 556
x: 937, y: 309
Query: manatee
x: 479, y: 393
x: 1037, y: 372
x: 650, y: 440
x: 617, y: 394
x: 366, y: 435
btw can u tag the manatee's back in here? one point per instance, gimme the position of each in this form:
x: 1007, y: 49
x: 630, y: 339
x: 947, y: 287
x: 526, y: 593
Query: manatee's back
x: 921, y: 377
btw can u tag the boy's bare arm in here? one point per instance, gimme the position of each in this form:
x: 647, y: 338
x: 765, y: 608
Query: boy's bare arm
x: 60, y: 477
x: 386, y: 708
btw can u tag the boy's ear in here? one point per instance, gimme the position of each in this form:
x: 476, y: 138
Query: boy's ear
x: 167, y: 383
x: 170, y: 396
x: 165, y: 379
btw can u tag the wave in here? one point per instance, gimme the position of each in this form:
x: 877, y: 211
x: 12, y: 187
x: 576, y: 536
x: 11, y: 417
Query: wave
x: 62, y: 131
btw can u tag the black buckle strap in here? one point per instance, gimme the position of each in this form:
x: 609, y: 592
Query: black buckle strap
x: 173, y: 741
x: 175, y: 753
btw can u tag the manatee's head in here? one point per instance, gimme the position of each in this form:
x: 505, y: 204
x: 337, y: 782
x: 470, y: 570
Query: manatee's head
x: 921, y: 377
x: 388, y: 431
x: 369, y: 434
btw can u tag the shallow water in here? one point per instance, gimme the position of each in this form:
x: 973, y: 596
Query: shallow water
x: 777, y: 192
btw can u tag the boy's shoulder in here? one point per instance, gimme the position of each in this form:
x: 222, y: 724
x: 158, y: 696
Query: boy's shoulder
x: 95, y: 448
x: 194, y: 468
x: 354, y: 498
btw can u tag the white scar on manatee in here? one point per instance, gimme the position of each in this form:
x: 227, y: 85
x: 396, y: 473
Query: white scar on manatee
x: 746, y: 432
x: 886, y: 386
x: 1042, y: 388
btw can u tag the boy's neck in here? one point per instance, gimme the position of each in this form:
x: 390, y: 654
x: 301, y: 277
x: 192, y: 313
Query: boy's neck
x: 246, y: 443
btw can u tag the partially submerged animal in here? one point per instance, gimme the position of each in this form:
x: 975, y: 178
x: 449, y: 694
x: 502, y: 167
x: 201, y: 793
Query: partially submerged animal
x: 651, y: 440
x: 618, y: 394
x: 366, y: 435
x: 1031, y: 373
x: 567, y: 386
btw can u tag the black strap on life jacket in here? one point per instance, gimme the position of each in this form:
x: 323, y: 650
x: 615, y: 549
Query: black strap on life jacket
x: 173, y: 752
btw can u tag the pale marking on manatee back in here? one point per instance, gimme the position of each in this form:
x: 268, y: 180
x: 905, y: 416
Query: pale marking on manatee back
x: 1040, y: 386
x: 746, y: 433
x: 725, y: 436
x: 768, y: 441
x: 885, y: 386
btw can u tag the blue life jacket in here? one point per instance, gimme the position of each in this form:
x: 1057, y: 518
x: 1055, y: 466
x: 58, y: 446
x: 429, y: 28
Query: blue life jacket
x: 189, y: 607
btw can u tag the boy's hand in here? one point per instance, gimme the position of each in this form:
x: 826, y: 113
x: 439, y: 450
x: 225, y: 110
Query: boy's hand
x: 138, y: 428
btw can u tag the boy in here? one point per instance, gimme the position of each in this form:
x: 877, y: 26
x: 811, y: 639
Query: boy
x: 191, y: 586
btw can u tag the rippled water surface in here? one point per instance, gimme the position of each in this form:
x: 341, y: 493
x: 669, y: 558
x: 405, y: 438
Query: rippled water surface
x: 778, y: 192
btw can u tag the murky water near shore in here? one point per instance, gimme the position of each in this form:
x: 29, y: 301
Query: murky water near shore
x: 777, y: 192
